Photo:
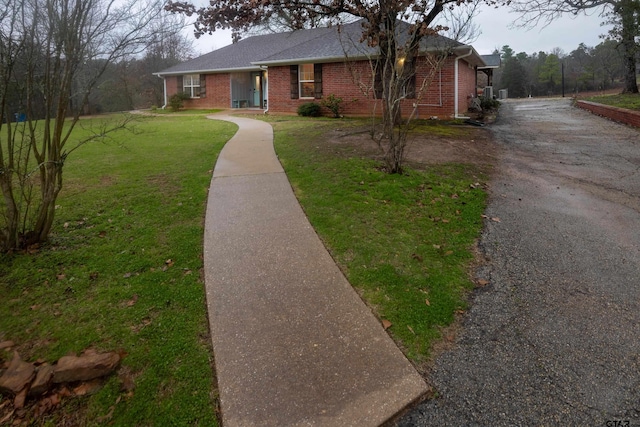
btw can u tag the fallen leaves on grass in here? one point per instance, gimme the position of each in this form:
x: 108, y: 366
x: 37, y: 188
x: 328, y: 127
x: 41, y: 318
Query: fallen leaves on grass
x: 386, y: 324
x: 89, y: 387
x: 137, y: 328
x: 132, y: 301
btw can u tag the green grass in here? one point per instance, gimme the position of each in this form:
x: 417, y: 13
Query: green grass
x: 404, y: 241
x: 123, y: 268
x: 630, y: 101
x: 122, y: 271
x: 190, y: 111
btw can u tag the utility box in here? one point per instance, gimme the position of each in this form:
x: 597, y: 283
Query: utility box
x: 503, y: 93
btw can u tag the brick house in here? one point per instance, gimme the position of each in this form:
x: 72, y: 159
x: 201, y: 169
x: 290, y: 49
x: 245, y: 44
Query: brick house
x: 278, y: 72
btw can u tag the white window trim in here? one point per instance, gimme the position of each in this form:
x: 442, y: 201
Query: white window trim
x: 301, y: 81
x: 190, y: 88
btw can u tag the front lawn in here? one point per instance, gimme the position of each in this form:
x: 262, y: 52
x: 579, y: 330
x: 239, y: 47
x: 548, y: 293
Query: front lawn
x: 630, y: 101
x: 183, y: 111
x: 122, y: 272
x: 405, y: 242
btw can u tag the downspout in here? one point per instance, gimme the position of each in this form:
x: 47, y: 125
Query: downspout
x: 164, y: 84
x: 456, y: 85
x: 266, y: 68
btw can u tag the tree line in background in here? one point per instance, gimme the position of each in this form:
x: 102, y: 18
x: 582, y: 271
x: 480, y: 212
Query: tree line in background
x: 129, y: 83
x: 622, y: 15
x: 585, y: 69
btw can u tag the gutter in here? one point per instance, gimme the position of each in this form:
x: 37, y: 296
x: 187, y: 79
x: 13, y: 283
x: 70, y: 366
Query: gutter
x: 313, y: 60
x: 456, y: 85
x: 206, y: 71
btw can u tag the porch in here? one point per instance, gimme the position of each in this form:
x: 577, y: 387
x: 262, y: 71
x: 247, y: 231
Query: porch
x: 249, y: 90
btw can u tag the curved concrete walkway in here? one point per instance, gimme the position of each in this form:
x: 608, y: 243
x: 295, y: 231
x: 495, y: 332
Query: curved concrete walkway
x: 293, y: 342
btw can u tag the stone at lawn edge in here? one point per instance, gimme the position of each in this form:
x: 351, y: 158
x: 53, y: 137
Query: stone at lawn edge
x: 43, y: 381
x: 18, y: 402
x: 18, y: 376
x: 85, y: 367
x: 6, y: 345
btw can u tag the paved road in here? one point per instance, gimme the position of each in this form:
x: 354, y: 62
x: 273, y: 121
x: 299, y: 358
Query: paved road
x: 554, y: 339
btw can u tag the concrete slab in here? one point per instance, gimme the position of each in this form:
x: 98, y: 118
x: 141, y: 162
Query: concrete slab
x: 294, y: 344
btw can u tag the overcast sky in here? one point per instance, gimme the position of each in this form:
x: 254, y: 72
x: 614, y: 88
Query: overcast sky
x: 566, y: 33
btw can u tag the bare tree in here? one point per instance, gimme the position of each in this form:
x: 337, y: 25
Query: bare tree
x: 281, y: 22
x: 381, y: 30
x: 52, y: 53
x: 623, y: 14
x: 130, y: 84
x: 459, y: 22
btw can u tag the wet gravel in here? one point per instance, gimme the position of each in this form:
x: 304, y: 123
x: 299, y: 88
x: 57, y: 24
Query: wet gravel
x: 554, y: 338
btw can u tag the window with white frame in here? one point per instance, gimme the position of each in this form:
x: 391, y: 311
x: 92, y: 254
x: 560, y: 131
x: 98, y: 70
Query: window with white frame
x: 306, y: 79
x: 191, y: 85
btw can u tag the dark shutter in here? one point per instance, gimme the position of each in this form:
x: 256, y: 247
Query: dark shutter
x: 295, y: 89
x: 203, y: 85
x: 410, y: 85
x: 180, y: 84
x: 377, y: 80
x: 317, y: 81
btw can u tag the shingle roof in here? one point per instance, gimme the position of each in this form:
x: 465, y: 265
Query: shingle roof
x: 312, y: 45
x: 331, y: 44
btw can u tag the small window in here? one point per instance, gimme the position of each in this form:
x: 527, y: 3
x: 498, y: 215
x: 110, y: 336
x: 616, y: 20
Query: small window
x: 191, y: 85
x: 306, y: 79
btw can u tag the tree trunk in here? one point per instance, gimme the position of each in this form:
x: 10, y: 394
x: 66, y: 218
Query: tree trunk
x: 8, y: 235
x: 629, y: 47
x: 50, y: 185
x: 394, y: 77
x: 630, y: 80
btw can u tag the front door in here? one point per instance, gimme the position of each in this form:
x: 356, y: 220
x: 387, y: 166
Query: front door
x: 256, y: 79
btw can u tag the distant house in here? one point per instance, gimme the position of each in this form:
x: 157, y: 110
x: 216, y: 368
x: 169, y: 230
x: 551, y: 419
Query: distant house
x: 278, y: 72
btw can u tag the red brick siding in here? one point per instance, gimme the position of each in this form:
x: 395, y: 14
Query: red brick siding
x: 352, y: 83
x: 629, y: 117
x: 466, y: 85
x: 217, y: 92
x: 171, y: 83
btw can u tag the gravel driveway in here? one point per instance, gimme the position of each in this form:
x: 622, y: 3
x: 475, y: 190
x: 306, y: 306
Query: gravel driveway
x: 554, y: 338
